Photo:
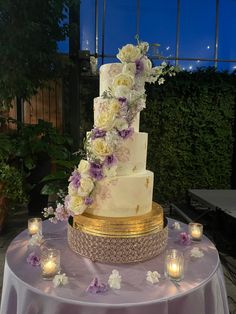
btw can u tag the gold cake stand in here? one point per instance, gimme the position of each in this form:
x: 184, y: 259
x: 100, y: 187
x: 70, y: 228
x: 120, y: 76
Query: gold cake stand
x: 118, y: 240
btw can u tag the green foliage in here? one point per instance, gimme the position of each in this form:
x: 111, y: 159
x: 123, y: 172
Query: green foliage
x: 190, y: 125
x: 28, y: 46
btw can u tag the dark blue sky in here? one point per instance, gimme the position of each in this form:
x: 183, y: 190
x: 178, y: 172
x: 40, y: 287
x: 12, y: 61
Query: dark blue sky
x: 158, y: 25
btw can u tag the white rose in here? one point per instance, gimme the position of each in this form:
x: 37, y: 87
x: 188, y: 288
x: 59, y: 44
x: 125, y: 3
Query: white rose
x: 76, y: 205
x: 129, y: 68
x: 147, y: 64
x: 105, y: 120
x: 114, y: 106
x: 83, y: 167
x: 143, y: 46
x: 86, y: 186
x: 121, y: 124
x: 129, y: 53
x: 123, y: 80
x: 72, y: 191
x: 100, y: 147
x: 110, y: 172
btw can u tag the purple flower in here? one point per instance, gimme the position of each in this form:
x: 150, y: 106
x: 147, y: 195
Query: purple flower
x: 139, y: 66
x: 126, y: 133
x: 184, y: 238
x: 61, y: 212
x: 122, y: 100
x: 96, y: 133
x: 96, y: 287
x: 75, y: 179
x: 110, y: 161
x: 95, y: 171
x: 33, y: 259
x: 88, y: 200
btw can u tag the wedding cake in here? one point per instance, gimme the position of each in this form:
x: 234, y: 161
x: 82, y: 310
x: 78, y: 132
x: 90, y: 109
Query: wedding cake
x: 110, y: 193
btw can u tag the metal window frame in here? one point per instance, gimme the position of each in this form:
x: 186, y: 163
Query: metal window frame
x: 103, y: 55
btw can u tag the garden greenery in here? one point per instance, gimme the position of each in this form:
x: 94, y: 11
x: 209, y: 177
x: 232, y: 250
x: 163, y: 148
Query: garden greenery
x: 189, y: 121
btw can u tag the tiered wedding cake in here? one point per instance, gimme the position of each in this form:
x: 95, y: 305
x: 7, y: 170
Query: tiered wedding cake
x: 110, y: 193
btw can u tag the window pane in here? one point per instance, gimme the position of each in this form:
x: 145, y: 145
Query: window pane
x: 227, y: 30
x: 194, y: 65
x: 87, y: 25
x: 158, y: 25
x: 197, y: 29
x: 120, y: 25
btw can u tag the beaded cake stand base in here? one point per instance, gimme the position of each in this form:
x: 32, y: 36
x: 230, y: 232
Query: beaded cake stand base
x: 117, y: 249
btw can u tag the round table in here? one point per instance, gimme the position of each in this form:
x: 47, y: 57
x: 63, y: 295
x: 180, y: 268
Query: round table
x: 202, y: 290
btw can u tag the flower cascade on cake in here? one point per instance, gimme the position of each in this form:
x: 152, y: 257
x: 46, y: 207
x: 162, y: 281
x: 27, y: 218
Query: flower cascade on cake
x: 124, y: 99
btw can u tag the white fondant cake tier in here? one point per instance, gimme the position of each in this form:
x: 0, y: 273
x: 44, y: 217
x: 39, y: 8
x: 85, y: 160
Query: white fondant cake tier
x: 123, y: 196
x: 103, y: 104
x: 107, y: 73
x: 132, y: 154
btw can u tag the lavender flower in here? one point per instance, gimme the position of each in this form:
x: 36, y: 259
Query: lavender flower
x: 110, y: 161
x: 33, y: 259
x: 95, y: 171
x: 122, y: 100
x: 96, y: 287
x: 88, y: 200
x: 126, y: 133
x: 75, y: 179
x: 96, y: 133
x: 61, y: 212
x: 184, y: 238
x: 139, y: 66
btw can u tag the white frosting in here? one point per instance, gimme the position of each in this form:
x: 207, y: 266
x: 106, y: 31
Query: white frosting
x: 123, y: 196
x: 107, y: 73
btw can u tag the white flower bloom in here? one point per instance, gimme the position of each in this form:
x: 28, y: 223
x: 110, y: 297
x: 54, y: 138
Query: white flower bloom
x: 195, y: 252
x: 36, y: 240
x: 86, y: 186
x: 122, y: 91
x: 163, y: 64
x: 129, y: 68
x: 72, y: 191
x: 83, y: 167
x: 129, y: 53
x: 110, y: 172
x: 76, y: 205
x: 123, y: 79
x: 100, y: 147
x: 105, y: 120
x: 60, y: 280
x: 121, y: 124
x: 176, y: 225
x: 114, y: 280
x: 143, y: 46
x: 161, y: 81
x: 153, y: 276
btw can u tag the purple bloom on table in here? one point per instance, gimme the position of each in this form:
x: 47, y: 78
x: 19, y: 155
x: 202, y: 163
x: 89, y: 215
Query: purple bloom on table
x: 184, y: 238
x: 33, y: 259
x: 126, y: 133
x: 96, y: 287
x: 97, y: 133
x: 88, y: 200
x: 61, y: 212
x: 75, y: 179
x: 139, y: 66
x: 95, y: 171
x: 110, y: 161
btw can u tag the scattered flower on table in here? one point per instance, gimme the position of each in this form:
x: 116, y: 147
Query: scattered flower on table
x: 196, y: 252
x: 60, y: 280
x: 153, y: 276
x: 114, y: 280
x: 176, y: 225
x: 96, y: 287
x: 33, y: 259
x: 184, y: 238
x: 36, y: 240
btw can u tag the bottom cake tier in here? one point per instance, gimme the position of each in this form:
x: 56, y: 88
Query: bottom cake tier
x: 109, y: 248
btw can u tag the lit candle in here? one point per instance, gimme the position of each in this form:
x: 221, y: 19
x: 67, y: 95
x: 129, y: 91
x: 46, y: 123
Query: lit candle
x: 195, y: 230
x: 174, y: 264
x: 50, y: 263
x: 34, y: 226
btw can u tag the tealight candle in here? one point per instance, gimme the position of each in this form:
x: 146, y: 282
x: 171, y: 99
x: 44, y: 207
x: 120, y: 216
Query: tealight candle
x: 195, y: 231
x: 174, y: 265
x: 50, y: 263
x: 34, y: 226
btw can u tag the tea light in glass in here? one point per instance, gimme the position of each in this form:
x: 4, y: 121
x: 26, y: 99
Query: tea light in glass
x: 174, y: 264
x: 195, y: 231
x: 34, y: 226
x: 50, y: 263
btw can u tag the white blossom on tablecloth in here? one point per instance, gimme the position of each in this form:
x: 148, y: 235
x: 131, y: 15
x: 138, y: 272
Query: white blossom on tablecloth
x: 153, y: 276
x: 196, y: 252
x: 114, y: 280
x: 60, y: 280
x: 36, y: 240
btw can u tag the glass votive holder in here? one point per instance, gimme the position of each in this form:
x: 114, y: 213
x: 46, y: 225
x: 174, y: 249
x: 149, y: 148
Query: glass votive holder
x: 34, y: 226
x: 50, y: 263
x: 174, y: 264
x: 195, y: 230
